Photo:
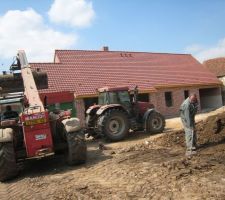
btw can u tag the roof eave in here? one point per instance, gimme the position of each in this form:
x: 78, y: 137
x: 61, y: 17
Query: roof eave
x: 171, y: 86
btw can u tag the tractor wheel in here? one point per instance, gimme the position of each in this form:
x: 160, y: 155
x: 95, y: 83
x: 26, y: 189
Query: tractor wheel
x: 91, y: 124
x: 8, y: 166
x: 77, y: 148
x: 89, y: 121
x: 114, y: 124
x: 155, y: 123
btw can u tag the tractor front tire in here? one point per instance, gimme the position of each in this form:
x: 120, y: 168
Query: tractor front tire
x: 77, y: 148
x: 8, y: 166
x: 90, y: 125
x: 114, y: 124
x: 155, y: 123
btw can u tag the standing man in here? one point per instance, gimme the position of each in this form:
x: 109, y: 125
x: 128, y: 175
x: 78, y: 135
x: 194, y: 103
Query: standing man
x: 188, y: 110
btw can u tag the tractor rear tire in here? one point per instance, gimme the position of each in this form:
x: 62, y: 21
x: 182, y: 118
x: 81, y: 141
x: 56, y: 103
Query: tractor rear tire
x: 114, y: 124
x: 155, y: 123
x: 77, y: 148
x: 8, y: 166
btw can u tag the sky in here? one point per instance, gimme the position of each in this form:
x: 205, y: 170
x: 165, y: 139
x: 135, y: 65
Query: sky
x: 39, y: 27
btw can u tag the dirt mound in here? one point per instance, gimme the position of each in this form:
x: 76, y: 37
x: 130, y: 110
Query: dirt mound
x: 210, y: 130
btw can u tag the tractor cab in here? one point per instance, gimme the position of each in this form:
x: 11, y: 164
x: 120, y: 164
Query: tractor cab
x: 124, y: 97
x: 118, y: 95
x: 10, y: 108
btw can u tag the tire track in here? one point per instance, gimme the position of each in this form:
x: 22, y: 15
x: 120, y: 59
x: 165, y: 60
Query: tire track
x: 3, y: 192
x: 18, y: 190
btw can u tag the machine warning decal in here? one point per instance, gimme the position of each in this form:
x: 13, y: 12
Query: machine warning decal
x: 40, y: 137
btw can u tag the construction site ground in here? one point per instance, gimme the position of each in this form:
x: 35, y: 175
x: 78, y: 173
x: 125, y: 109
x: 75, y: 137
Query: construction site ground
x: 143, y: 166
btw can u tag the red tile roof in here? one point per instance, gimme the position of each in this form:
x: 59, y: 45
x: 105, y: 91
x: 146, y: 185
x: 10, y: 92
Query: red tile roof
x: 216, y: 66
x: 82, y: 72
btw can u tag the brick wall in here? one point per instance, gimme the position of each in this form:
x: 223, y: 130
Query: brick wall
x: 158, y: 99
x: 80, y: 110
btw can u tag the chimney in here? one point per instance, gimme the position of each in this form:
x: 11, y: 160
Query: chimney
x: 105, y: 48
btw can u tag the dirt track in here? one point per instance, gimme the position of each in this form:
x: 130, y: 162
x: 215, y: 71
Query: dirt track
x: 142, y: 167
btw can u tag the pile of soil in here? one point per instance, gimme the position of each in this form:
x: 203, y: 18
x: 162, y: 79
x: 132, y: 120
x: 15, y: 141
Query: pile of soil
x: 210, y: 130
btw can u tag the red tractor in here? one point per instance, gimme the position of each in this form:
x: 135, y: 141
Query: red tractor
x: 119, y: 111
x: 27, y: 129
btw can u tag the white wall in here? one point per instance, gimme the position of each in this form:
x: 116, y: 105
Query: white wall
x: 223, y: 81
x: 223, y: 89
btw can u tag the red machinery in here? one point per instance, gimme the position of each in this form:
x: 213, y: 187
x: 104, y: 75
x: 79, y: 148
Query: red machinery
x: 35, y: 119
x: 119, y: 111
x: 31, y: 131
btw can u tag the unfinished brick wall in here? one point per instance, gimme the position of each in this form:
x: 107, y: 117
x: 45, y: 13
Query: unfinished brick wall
x: 158, y: 99
x: 80, y: 110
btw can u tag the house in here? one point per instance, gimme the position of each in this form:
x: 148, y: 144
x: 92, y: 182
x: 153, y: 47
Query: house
x: 217, y: 66
x: 162, y: 78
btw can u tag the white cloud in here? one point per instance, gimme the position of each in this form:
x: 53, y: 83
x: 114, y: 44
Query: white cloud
x: 76, y: 13
x: 27, y: 30
x: 194, y: 48
x: 204, y: 53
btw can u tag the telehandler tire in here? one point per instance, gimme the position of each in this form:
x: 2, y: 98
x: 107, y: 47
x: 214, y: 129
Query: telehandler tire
x: 8, y: 166
x: 77, y: 148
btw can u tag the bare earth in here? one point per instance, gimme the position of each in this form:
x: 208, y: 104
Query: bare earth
x: 140, y: 167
